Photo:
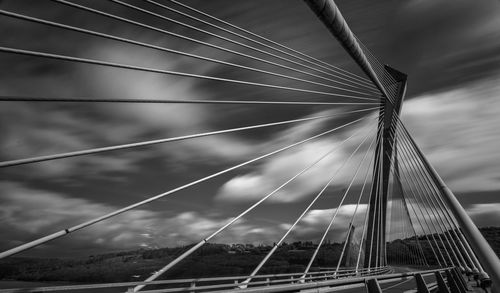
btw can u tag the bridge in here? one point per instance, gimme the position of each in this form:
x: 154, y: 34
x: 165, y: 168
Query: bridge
x: 413, y: 235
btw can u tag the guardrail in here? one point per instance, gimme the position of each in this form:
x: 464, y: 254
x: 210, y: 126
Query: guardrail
x: 217, y: 283
x: 330, y: 280
x: 360, y: 281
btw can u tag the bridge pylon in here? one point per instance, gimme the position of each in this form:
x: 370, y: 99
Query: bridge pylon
x: 375, y: 244
x: 392, y: 85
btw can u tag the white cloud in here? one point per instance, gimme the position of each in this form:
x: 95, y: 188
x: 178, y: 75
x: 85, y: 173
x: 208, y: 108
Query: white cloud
x: 278, y: 169
x: 316, y: 221
x: 171, y: 119
x: 458, y: 131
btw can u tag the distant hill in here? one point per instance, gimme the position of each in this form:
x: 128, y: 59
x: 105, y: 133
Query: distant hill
x: 211, y: 260
x: 395, y: 248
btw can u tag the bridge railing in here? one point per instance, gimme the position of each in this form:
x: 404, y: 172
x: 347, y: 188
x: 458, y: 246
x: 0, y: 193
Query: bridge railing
x: 217, y: 283
x: 341, y: 284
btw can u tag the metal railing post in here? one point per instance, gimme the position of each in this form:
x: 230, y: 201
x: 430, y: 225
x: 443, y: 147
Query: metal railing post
x: 421, y: 285
x: 193, y: 285
x: 442, y: 288
x: 372, y: 286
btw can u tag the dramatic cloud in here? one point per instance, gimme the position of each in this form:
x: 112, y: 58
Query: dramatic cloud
x: 35, y: 213
x: 452, y: 109
x: 67, y: 129
x: 458, y: 131
x: 31, y: 212
x: 34, y: 135
x: 169, y: 120
x: 316, y: 221
x: 333, y: 152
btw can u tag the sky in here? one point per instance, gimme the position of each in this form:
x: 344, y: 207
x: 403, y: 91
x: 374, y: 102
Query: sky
x: 449, y: 50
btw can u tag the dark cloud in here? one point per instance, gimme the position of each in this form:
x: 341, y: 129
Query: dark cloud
x: 437, y: 44
x: 449, y: 52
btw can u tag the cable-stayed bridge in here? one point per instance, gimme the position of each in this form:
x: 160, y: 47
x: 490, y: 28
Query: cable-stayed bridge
x: 413, y: 233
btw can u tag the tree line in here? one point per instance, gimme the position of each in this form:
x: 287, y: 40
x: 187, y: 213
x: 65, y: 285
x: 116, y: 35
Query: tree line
x: 211, y: 260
